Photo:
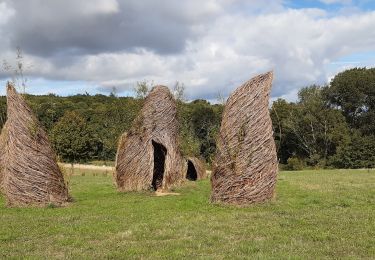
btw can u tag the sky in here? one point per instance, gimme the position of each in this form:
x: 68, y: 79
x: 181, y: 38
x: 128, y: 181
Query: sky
x: 210, y: 46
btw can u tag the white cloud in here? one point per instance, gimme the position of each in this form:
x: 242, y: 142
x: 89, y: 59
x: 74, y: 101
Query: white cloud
x: 296, y: 44
x: 98, y: 7
x: 229, y: 44
x: 5, y: 13
x: 336, y: 1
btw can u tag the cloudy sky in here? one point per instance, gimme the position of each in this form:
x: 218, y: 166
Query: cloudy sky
x: 211, y: 46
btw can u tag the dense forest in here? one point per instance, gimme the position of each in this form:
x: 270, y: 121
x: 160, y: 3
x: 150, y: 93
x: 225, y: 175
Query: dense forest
x: 328, y: 126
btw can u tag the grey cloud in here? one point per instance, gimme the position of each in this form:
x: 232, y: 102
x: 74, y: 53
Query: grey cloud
x: 48, y: 28
x: 211, y: 46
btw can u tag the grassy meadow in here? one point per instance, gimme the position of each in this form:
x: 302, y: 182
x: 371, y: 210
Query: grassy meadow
x: 315, y: 215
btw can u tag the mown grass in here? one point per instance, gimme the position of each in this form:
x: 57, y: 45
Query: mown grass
x: 316, y: 215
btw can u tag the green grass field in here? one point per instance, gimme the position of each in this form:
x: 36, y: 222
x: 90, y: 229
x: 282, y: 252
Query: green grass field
x: 316, y: 214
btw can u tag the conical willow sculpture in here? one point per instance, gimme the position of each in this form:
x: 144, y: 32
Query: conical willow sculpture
x: 30, y: 172
x: 148, y: 156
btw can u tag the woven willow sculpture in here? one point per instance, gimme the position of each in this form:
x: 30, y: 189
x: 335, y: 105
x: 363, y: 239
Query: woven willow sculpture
x: 31, y: 175
x: 148, y: 156
x: 246, y: 164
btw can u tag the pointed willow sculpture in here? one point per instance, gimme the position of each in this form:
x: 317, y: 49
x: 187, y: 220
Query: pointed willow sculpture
x: 148, y: 156
x: 246, y: 164
x: 31, y: 175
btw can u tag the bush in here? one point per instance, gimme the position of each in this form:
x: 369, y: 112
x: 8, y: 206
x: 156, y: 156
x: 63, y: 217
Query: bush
x: 294, y: 164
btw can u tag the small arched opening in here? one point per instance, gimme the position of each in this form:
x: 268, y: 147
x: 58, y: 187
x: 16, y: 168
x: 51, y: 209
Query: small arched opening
x: 191, y: 174
x: 160, y: 153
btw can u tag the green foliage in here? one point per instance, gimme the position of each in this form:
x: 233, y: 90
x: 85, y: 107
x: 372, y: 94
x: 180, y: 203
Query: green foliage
x: 294, y: 164
x: 308, y: 128
x: 107, y: 117
x: 329, y: 126
x: 358, y: 152
x: 200, y: 122
x: 353, y: 92
x: 285, y: 140
x: 3, y: 112
x: 73, y: 139
x: 190, y: 144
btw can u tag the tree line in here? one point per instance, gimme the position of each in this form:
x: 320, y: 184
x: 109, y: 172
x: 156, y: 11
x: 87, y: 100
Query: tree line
x: 328, y: 126
x: 87, y: 127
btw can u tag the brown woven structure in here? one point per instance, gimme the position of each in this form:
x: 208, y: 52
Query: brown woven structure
x: 246, y: 164
x: 196, y: 169
x: 31, y: 175
x: 148, y: 155
x: 3, y: 140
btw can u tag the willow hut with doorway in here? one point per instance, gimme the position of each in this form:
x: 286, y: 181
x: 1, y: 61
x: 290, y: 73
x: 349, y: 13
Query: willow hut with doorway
x: 31, y: 175
x: 196, y: 169
x: 148, y: 155
x: 246, y: 166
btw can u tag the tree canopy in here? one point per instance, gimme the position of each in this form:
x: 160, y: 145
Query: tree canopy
x: 327, y: 126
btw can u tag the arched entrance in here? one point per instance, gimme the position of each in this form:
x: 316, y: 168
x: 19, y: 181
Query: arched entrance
x: 191, y: 174
x: 159, y: 164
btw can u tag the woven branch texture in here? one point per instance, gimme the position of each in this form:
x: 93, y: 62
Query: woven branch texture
x: 2, y: 154
x: 246, y: 166
x: 148, y: 155
x: 31, y: 175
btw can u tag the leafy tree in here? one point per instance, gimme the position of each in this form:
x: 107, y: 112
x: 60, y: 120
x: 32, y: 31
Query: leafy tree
x: 309, y: 128
x: 353, y: 92
x: 205, y: 122
x: 286, y: 143
x: 199, y: 125
x: 318, y: 128
x: 359, y: 152
x: 331, y: 126
x: 73, y: 139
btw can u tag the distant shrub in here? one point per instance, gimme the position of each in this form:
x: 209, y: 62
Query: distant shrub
x: 294, y: 164
x: 282, y: 167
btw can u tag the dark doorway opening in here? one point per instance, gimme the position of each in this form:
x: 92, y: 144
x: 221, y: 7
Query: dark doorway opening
x: 191, y: 174
x: 159, y: 162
